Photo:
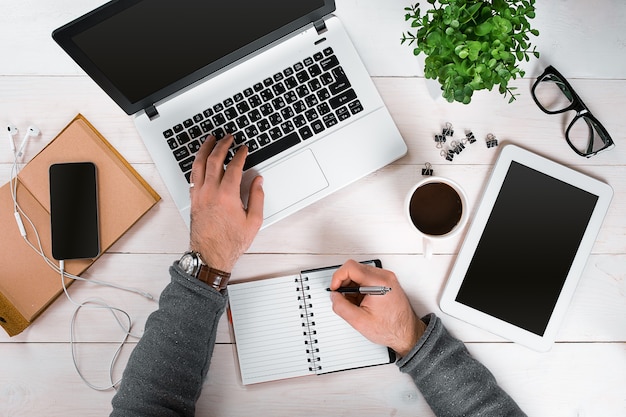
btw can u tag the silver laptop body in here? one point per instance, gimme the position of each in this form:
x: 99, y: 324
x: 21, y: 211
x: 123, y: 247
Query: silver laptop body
x: 340, y: 141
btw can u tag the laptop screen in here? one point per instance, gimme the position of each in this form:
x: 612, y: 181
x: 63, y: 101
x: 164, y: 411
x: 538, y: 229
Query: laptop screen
x: 142, y: 51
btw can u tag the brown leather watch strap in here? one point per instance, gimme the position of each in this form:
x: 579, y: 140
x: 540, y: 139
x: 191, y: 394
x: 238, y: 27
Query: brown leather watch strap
x: 214, y: 277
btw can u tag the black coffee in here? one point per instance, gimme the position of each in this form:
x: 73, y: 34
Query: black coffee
x: 435, y: 208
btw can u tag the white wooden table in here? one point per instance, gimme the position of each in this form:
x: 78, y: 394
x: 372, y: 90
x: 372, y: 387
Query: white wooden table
x: 583, y: 375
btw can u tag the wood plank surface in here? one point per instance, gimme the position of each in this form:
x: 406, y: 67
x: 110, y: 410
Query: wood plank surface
x: 584, y: 374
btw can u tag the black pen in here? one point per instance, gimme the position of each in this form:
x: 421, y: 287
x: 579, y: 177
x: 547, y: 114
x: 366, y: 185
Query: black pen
x: 363, y: 290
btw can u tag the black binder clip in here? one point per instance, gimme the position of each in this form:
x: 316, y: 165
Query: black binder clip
x: 440, y: 140
x: 456, y: 147
x: 447, y: 130
x: 491, y: 141
x: 428, y: 170
x: 448, y: 155
x: 469, y: 137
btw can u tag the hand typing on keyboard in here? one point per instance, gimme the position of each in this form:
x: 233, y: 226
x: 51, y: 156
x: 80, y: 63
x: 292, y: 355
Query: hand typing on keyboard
x: 275, y: 114
x: 222, y: 229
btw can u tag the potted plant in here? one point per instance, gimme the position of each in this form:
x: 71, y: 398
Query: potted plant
x: 472, y: 45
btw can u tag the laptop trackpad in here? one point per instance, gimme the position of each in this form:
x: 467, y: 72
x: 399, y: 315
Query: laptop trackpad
x: 291, y: 181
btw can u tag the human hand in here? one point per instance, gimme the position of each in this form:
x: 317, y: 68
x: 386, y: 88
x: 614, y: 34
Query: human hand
x: 388, y: 319
x: 222, y: 229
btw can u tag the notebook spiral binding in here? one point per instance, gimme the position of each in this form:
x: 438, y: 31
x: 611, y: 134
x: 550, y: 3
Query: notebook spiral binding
x: 308, y: 324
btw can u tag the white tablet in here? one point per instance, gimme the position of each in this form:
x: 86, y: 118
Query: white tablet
x: 526, y: 248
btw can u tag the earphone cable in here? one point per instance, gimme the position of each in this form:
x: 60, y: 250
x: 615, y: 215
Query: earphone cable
x: 96, y: 303
x: 126, y: 327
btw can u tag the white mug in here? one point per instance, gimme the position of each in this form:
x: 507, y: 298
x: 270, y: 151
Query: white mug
x: 436, y: 209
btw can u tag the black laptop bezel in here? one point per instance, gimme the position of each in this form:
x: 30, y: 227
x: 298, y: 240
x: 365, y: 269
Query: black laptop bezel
x: 64, y: 35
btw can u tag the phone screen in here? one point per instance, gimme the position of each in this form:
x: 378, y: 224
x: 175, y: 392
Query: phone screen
x: 74, y: 211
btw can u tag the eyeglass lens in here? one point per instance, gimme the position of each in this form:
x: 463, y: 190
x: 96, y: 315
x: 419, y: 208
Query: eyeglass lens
x: 552, y: 94
x: 583, y: 133
x: 585, y: 136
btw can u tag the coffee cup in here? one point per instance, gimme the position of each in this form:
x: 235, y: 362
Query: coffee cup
x: 436, y: 209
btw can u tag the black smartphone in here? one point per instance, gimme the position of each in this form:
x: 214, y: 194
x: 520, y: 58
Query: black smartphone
x: 74, y: 210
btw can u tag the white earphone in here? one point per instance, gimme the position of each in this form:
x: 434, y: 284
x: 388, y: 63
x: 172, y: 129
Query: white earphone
x: 12, y: 131
x: 37, y: 246
x: 32, y: 131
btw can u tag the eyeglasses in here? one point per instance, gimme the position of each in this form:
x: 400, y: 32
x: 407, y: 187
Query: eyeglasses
x: 554, y: 95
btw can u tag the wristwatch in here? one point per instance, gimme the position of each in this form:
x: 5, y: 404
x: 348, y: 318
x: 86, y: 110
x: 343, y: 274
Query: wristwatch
x: 192, y: 264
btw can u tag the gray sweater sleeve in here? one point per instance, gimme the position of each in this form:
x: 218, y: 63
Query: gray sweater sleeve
x: 165, y: 372
x: 452, y: 382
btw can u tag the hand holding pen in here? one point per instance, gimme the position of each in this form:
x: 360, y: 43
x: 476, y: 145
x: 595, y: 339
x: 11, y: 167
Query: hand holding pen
x: 389, y: 320
x: 372, y: 290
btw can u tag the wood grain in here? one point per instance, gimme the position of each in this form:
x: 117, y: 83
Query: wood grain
x: 583, y: 375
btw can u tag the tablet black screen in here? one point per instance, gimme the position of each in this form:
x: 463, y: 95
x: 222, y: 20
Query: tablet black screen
x: 527, y: 248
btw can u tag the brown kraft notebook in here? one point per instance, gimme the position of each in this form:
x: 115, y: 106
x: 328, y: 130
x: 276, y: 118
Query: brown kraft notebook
x: 27, y: 284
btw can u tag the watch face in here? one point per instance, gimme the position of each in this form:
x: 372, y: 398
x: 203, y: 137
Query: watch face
x: 187, y: 263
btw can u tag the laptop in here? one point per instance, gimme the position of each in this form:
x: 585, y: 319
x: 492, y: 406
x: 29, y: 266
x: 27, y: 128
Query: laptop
x: 282, y: 76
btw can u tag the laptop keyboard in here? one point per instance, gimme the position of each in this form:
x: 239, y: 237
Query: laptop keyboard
x: 272, y: 115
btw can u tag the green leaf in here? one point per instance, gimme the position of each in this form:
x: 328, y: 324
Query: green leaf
x: 505, y: 25
x: 483, y: 29
x: 471, y: 11
x: 474, y: 46
x: 433, y: 38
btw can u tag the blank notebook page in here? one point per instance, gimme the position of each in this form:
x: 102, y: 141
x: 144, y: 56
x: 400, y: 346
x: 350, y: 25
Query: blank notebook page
x: 285, y: 327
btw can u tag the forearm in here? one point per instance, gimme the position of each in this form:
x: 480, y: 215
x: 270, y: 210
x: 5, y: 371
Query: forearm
x: 166, y: 370
x: 452, y: 382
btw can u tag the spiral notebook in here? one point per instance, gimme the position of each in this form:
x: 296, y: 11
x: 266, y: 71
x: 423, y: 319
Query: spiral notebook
x: 285, y: 327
